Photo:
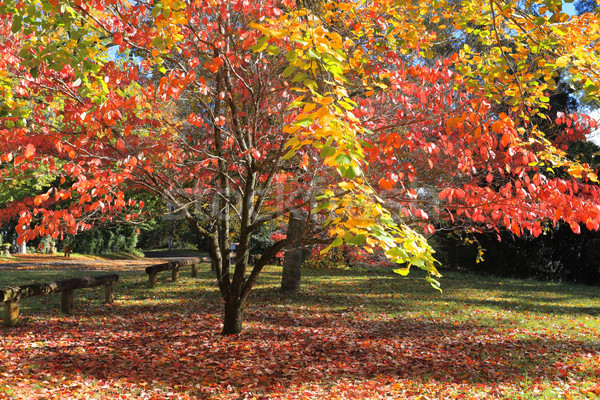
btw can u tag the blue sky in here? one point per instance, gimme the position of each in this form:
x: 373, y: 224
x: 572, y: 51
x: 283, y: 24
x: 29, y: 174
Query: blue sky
x: 569, y: 8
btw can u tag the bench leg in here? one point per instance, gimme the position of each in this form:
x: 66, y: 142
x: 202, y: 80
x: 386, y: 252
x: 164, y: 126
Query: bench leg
x: 109, y: 297
x: 175, y: 274
x: 11, y: 312
x: 152, y: 278
x: 194, y: 270
x: 66, y: 301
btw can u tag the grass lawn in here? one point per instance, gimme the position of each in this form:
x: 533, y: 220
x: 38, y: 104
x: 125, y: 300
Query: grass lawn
x: 346, y: 335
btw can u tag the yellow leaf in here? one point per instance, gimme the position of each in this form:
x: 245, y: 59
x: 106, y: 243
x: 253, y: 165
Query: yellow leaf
x: 562, y: 61
x: 402, y: 271
x: 346, y: 185
x: 359, y: 222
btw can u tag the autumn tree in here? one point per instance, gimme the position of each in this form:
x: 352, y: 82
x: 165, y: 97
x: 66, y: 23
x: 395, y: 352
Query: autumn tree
x: 242, y: 113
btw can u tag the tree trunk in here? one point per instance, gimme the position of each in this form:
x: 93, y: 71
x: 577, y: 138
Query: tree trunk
x: 234, y: 315
x: 294, y: 257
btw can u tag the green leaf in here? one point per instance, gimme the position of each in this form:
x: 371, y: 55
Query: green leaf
x: 417, y: 261
x: 291, y: 55
x: 156, y: 10
x: 261, y: 44
x: 299, y: 77
x: 289, y: 154
x: 395, y: 252
x: 322, y: 206
x: 367, y: 131
x: 24, y: 53
x: 296, y: 103
x: 351, y: 172
x: 338, y: 241
x: 327, y: 151
x: 158, y: 42
x: 343, y: 159
x: 356, y: 240
x: 311, y: 84
x: 273, y: 50
x: 288, y: 71
x: 17, y: 24
x: 305, y: 122
x: 435, y: 284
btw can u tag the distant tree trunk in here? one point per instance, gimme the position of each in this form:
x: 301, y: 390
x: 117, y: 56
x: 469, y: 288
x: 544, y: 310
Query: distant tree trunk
x: 295, y: 256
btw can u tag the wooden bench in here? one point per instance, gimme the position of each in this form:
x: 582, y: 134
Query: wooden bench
x: 174, y: 266
x: 11, y: 295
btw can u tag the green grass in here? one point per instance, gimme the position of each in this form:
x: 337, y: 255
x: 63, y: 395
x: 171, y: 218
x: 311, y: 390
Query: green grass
x: 120, y: 255
x: 370, y: 332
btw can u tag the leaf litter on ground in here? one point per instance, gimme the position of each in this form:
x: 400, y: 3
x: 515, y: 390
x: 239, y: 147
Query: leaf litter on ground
x: 347, y: 334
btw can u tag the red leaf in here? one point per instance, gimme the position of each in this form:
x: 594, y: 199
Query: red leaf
x: 193, y: 63
x: 118, y: 38
x: 575, y: 227
x: 120, y: 145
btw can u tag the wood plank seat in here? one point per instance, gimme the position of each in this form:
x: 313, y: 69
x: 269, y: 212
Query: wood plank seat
x: 174, y: 267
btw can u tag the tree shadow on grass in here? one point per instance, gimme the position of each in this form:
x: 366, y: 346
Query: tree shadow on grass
x: 281, y: 349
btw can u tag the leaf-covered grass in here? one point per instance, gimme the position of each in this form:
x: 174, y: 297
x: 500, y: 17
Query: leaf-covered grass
x: 347, y: 334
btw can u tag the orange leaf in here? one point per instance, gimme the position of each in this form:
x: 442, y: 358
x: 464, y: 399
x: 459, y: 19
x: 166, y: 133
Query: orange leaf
x: 29, y: 151
x: 214, y: 65
x: 386, y: 184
